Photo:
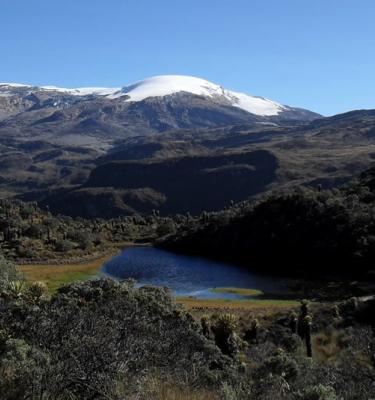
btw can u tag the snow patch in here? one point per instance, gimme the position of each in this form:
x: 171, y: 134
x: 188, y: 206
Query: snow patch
x: 14, y: 85
x: 165, y: 85
x: 86, y: 91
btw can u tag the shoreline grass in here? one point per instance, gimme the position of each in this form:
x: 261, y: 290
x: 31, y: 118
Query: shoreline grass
x: 193, y: 302
x: 237, y: 291
x: 55, y: 276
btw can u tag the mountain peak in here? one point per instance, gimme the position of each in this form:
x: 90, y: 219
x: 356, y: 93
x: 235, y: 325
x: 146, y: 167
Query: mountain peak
x: 216, y: 104
x: 165, y: 85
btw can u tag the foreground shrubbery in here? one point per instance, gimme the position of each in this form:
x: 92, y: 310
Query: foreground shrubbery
x: 108, y: 340
x: 100, y: 339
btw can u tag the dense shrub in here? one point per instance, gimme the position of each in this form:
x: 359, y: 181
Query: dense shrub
x: 8, y: 273
x: 64, y: 246
x: 99, y: 335
x: 318, y: 392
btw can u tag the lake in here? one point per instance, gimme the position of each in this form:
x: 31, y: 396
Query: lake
x: 186, y: 275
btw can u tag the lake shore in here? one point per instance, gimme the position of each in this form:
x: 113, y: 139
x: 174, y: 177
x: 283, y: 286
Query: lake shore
x: 55, y: 273
x: 115, y: 249
x: 192, y: 303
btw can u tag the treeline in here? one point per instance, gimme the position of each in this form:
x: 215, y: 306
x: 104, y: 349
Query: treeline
x: 301, y: 231
x: 30, y: 233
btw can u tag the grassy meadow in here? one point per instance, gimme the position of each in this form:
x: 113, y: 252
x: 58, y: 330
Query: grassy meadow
x: 57, y: 275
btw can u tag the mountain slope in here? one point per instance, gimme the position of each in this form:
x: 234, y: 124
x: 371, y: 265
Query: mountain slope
x: 172, y: 186
x: 150, y: 106
x: 169, y: 171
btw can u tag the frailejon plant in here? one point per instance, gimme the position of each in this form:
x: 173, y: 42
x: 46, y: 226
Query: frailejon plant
x: 293, y: 322
x: 205, y: 324
x: 251, y: 334
x: 15, y: 288
x: 304, y: 311
x: 225, y: 335
x: 35, y: 291
x: 307, y: 325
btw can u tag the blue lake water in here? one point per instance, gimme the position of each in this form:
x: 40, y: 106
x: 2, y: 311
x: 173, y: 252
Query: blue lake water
x: 185, y: 275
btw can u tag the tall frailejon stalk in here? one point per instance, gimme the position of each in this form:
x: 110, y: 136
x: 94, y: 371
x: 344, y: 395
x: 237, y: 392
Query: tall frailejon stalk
x: 205, y: 324
x: 304, y: 311
x: 308, y: 323
x: 293, y: 322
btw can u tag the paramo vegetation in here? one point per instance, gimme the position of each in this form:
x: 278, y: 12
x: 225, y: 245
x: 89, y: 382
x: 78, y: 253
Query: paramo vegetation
x: 108, y: 340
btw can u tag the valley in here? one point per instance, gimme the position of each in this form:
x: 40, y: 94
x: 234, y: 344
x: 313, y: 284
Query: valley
x: 187, y: 200
x: 63, y: 162
x: 221, y: 240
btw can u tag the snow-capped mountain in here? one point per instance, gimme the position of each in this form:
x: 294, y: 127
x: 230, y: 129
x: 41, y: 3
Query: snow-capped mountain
x: 166, y: 85
x: 9, y: 88
x: 149, y: 106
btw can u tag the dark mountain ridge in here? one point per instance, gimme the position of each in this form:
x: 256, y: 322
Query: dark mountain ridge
x: 170, y: 172
x: 190, y: 184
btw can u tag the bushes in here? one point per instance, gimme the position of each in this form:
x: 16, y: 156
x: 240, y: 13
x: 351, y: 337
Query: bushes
x: 103, y: 339
x: 28, y: 232
x: 84, y: 239
x: 64, y: 246
x: 280, y: 364
x: 8, y: 273
x: 101, y: 334
x: 319, y: 392
x: 22, y: 368
x: 166, y: 227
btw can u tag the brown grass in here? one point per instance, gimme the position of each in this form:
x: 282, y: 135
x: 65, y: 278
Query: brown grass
x: 157, y: 389
x: 237, y: 291
x: 165, y: 392
x: 56, y: 275
x: 249, y: 304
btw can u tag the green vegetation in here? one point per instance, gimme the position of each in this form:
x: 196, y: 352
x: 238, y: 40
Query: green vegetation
x: 302, y: 232
x: 29, y: 234
x: 102, y: 339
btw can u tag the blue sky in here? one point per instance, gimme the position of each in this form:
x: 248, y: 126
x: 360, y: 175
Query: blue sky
x: 317, y: 54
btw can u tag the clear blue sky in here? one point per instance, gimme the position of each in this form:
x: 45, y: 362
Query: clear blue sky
x: 317, y: 54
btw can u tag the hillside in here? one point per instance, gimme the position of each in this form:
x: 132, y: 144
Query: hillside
x: 300, y: 232
x: 181, y: 171
x: 94, y: 177
x: 188, y: 184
